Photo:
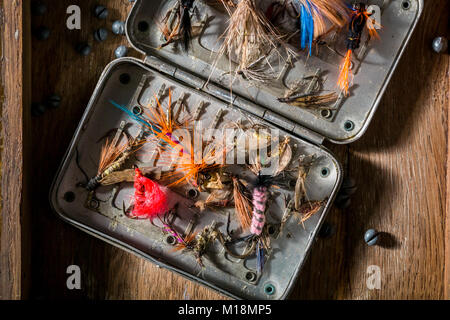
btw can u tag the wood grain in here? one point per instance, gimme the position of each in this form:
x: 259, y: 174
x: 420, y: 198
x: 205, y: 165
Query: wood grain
x: 400, y: 168
x: 107, y: 272
x: 399, y: 164
x: 15, y: 213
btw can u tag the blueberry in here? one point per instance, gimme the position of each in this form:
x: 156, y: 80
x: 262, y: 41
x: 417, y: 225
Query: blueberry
x: 371, y: 237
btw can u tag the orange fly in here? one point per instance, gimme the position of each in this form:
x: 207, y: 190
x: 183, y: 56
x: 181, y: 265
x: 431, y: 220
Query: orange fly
x: 355, y: 29
x: 190, y: 164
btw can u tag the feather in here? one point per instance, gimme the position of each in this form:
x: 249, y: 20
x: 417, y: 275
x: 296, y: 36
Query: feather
x: 129, y: 113
x: 306, y: 26
x: 128, y: 176
x: 345, y: 73
x: 160, y: 126
x: 242, y: 204
x: 188, y: 165
x: 248, y: 37
x: 310, y: 100
x: 110, y: 153
x: 355, y: 29
x: 284, y: 155
x: 186, y: 243
x: 308, y: 209
x: 217, y: 198
x: 150, y: 200
x: 317, y: 16
x: 219, y: 5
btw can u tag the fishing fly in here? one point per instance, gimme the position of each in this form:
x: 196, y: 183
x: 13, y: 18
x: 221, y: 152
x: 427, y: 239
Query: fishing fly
x: 283, y: 154
x: 316, y: 17
x: 185, y: 22
x: 248, y: 39
x: 260, y: 197
x: 214, y: 180
x: 310, y: 100
x: 113, y: 157
x: 181, y: 243
x: 304, y: 208
x: 128, y: 175
x: 150, y: 199
x: 358, y: 21
x: 306, y: 93
x: 183, y: 27
x: 189, y: 165
x: 216, y: 199
x: 193, y: 162
x: 160, y: 123
x: 198, y: 243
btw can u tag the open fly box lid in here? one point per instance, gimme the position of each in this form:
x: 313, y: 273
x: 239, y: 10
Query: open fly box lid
x: 345, y: 120
x: 193, y: 82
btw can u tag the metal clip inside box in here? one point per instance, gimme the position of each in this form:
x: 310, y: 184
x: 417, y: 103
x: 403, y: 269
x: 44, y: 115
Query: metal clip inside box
x: 132, y: 83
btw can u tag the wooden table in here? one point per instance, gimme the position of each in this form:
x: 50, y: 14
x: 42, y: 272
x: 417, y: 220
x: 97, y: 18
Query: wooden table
x: 399, y: 165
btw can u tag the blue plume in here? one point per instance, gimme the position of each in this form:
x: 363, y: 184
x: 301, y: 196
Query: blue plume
x: 350, y: 6
x: 139, y: 119
x: 306, y: 26
x: 130, y: 113
x: 134, y: 116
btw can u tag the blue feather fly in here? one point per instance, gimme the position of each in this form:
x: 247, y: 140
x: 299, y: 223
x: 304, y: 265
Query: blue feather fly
x: 141, y: 120
x: 306, y: 25
x: 314, y: 16
x: 133, y: 116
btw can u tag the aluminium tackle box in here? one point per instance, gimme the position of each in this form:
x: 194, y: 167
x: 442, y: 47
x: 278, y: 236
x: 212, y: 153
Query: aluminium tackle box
x: 197, y: 78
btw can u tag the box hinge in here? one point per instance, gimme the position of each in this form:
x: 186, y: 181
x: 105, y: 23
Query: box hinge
x: 293, y: 127
x: 226, y: 96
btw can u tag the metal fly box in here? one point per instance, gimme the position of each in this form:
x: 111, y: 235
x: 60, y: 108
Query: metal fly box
x: 197, y: 84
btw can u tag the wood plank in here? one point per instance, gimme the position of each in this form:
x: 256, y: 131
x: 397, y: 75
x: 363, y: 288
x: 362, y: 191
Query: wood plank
x: 15, y: 240
x: 399, y: 165
x: 107, y: 272
x: 447, y: 217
